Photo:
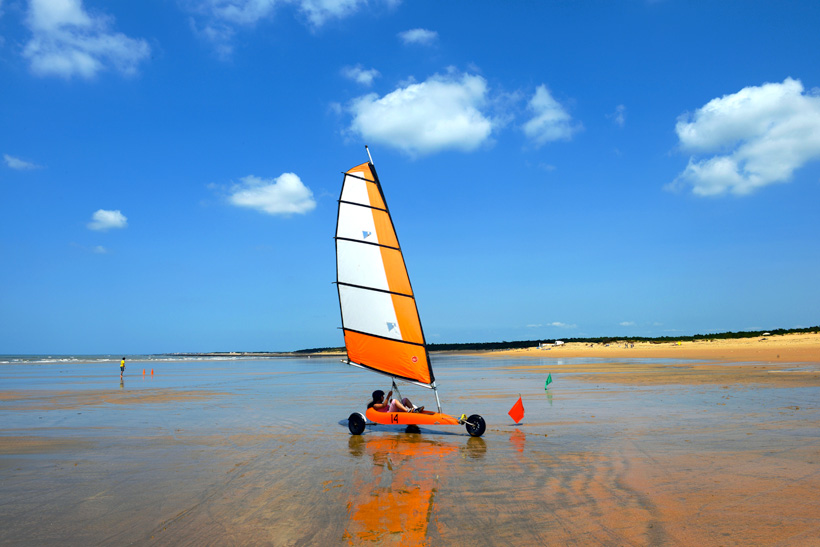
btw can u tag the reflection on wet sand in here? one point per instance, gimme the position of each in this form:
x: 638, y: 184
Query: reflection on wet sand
x: 393, y: 501
x: 518, y: 440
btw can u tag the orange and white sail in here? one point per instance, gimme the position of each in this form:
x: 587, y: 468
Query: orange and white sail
x: 380, y: 319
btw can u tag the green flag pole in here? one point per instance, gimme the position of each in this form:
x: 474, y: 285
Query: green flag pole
x: 549, y: 380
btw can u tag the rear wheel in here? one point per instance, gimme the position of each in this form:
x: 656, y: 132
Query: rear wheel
x: 476, y: 425
x: 355, y: 423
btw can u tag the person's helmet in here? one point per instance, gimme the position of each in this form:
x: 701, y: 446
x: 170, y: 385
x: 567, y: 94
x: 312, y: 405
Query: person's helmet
x: 378, y: 394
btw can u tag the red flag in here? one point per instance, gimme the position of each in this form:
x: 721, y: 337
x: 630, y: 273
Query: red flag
x: 517, y: 411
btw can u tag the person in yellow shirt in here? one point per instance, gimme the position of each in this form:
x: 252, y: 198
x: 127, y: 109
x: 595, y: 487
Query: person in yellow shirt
x: 122, y: 367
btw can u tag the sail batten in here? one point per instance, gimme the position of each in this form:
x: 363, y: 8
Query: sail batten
x: 362, y: 205
x: 380, y: 318
x: 368, y: 243
x: 355, y: 176
x: 373, y: 289
x: 386, y: 338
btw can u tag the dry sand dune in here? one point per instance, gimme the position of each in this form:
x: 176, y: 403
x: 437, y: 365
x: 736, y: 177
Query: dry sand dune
x: 787, y: 348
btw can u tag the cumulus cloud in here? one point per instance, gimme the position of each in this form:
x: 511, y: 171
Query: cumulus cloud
x: 283, y: 195
x: 443, y: 112
x: 359, y: 75
x: 18, y: 164
x: 561, y: 325
x: 67, y: 41
x: 750, y: 139
x: 103, y: 220
x: 627, y: 323
x: 419, y: 36
x: 550, y: 121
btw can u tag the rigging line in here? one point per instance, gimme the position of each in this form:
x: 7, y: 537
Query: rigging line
x: 367, y: 243
x: 374, y: 289
x: 406, y: 342
x: 362, y: 205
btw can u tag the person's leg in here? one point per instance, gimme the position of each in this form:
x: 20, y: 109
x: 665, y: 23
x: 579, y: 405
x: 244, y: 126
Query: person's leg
x: 408, y: 404
x: 396, y: 406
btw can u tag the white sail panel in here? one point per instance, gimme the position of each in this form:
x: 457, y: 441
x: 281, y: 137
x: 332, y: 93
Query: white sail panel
x: 355, y: 189
x: 356, y: 222
x: 361, y: 265
x: 371, y: 312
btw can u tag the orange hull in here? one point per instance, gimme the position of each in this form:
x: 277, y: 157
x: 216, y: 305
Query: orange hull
x: 410, y: 418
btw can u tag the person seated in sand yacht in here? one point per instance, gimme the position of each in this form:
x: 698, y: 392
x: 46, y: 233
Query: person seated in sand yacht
x: 378, y: 403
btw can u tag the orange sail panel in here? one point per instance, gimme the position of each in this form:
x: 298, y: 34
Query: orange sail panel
x: 379, y: 315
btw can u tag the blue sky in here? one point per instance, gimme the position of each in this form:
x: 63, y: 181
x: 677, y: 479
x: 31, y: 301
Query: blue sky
x: 554, y: 169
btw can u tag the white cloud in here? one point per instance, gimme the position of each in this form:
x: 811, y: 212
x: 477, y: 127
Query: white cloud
x: 238, y: 12
x: 627, y: 323
x: 619, y: 116
x: 550, y: 121
x: 103, y: 220
x: 67, y: 41
x: 443, y: 112
x: 100, y: 250
x: 284, y: 195
x: 419, y: 36
x: 562, y: 325
x: 759, y: 136
x: 360, y: 75
x: 18, y: 164
x: 217, y: 20
x: 320, y: 11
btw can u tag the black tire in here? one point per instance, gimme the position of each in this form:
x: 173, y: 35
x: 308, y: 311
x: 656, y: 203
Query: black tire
x: 412, y: 428
x: 476, y: 425
x: 355, y: 423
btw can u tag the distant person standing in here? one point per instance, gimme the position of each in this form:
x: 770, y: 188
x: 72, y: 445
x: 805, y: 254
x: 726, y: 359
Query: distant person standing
x: 122, y: 367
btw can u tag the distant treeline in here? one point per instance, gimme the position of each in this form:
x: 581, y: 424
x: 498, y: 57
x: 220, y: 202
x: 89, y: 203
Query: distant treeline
x: 489, y: 346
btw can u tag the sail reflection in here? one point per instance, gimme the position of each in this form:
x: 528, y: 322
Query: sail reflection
x: 393, y: 501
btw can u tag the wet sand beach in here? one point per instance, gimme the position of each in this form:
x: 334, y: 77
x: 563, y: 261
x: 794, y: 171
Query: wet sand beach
x: 623, y: 448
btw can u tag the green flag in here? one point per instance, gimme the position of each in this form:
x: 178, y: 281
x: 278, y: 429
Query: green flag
x: 549, y: 380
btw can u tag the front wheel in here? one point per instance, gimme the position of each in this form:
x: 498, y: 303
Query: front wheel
x: 355, y: 423
x: 476, y: 425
